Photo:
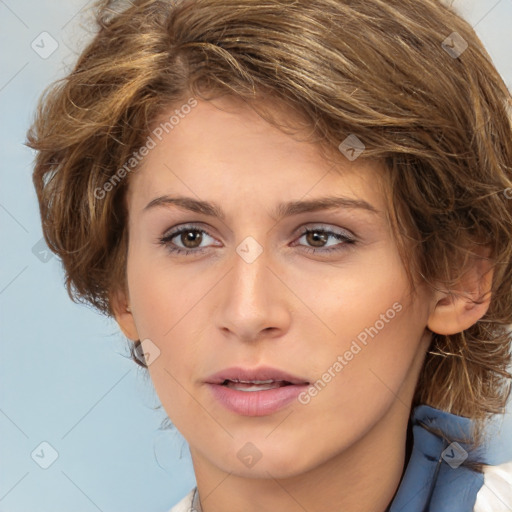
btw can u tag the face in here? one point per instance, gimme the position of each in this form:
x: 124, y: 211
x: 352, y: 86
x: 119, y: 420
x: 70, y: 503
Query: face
x: 313, y: 299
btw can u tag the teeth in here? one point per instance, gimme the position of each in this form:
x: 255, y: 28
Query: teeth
x: 256, y: 385
x: 252, y: 388
x: 255, y: 381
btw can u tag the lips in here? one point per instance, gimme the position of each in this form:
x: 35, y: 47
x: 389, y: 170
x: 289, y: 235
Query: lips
x: 255, y: 392
x: 257, y: 376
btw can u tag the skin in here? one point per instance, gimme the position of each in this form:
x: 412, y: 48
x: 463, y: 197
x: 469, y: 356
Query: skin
x: 289, y: 308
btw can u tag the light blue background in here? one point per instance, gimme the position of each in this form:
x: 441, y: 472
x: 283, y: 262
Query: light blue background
x: 63, y: 379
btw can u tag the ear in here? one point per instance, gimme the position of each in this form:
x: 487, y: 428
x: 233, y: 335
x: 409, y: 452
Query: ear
x: 453, y: 311
x: 124, y: 315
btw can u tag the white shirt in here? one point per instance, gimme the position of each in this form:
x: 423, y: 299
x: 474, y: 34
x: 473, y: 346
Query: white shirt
x: 496, y: 493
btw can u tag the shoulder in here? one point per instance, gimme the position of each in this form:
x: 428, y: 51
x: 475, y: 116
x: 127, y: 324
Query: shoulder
x: 496, y: 493
x: 185, y: 505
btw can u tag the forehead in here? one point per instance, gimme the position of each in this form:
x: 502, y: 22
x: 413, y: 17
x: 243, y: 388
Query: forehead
x: 223, y: 149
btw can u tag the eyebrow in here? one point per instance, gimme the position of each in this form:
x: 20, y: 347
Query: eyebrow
x: 283, y: 209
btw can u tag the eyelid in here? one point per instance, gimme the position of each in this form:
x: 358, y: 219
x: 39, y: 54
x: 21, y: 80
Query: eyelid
x: 329, y: 228
x: 301, y: 230
x: 347, y: 237
x: 196, y: 226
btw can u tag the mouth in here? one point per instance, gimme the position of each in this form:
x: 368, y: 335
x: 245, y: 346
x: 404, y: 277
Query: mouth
x: 255, y: 385
x: 255, y: 392
x: 244, y: 378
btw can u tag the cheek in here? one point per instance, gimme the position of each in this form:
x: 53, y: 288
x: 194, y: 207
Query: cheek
x: 351, y: 298
x: 155, y: 289
x: 359, y: 382
x: 167, y: 303
x: 374, y: 335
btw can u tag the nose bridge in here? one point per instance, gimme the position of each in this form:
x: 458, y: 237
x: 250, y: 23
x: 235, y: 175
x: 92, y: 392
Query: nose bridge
x: 253, y: 300
x: 251, y: 276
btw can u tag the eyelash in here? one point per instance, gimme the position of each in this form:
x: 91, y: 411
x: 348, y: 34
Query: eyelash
x: 166, y: 240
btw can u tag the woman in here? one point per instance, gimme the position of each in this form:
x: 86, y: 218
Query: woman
x: 298, y: 212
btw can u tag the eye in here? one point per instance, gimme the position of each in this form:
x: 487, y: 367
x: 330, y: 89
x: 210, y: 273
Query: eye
x: 319, y: 237
x: 188, y: 240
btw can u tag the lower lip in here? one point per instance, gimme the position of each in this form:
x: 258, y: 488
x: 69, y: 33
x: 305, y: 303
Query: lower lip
x: 256, y: 403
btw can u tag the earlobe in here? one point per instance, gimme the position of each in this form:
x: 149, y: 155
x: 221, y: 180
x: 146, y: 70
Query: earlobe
x: 454, y: 311
x: 124, y: 315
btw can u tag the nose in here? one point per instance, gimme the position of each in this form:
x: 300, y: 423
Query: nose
x: 254, y: 302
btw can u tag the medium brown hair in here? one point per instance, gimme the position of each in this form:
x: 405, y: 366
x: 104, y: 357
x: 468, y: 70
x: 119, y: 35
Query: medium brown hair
x: 381, y: 70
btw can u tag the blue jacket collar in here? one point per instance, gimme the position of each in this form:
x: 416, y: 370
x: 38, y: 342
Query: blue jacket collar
x: 434, y: 479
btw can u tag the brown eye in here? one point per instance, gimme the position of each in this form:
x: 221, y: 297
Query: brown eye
x: 186, y: 240
x: 315, y: 239
x: 318, y: 238
x: 191, y: 238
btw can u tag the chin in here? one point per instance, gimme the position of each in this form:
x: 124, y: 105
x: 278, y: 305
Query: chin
x: 277, y: 461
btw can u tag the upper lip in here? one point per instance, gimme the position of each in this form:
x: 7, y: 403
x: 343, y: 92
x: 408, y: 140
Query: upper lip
x: 254, y: 374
